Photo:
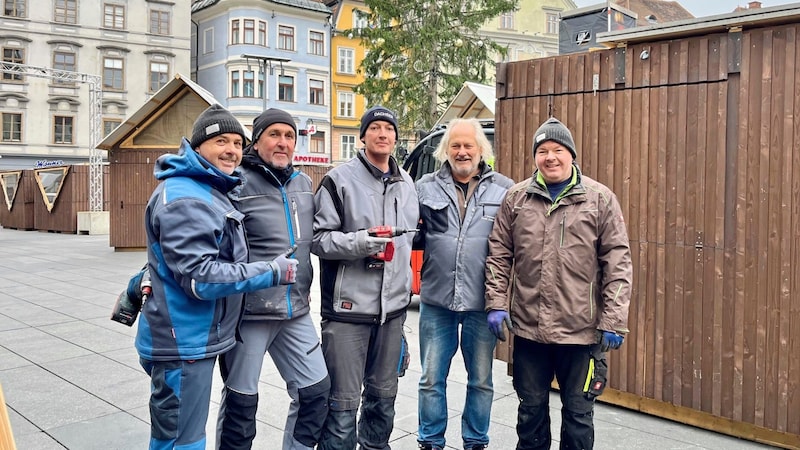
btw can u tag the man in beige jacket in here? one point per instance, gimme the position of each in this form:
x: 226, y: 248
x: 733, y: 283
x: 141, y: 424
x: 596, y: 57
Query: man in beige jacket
x: 560, y: 244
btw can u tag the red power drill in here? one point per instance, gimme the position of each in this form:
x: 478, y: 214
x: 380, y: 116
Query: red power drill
x: 388, y: 232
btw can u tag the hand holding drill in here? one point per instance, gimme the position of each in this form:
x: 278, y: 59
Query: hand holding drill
x: 378, y: 236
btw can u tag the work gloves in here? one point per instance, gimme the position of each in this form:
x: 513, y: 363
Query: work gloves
x: 284, y: 268
x: 370, y: 245
x: 498, y: 318
x: 610, y: 340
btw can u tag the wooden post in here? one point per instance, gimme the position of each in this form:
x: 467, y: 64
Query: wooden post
x: 6, y: 436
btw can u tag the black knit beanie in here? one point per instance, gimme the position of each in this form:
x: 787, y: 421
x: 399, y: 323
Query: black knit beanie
x: 215, y: 120
x: 270, y: 117
x: 553, y: 130
x: 377, y: 113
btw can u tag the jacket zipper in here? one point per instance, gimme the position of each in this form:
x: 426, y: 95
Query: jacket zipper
x: 290, y: 227
x: 563, y: 219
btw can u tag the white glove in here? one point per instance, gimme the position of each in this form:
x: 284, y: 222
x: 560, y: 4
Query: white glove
x: 370, y: 245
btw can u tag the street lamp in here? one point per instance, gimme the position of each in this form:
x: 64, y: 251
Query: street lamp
x: 264, y: 63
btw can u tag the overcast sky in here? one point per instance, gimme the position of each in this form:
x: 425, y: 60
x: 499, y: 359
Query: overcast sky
x: 700, y: 8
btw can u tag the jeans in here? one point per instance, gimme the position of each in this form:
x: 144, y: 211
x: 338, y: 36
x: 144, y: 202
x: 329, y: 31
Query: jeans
x: 534, y: 366
x: 438, y: 341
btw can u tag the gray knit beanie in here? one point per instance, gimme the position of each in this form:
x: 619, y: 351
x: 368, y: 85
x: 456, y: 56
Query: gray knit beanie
x: 377, y: 113
x: 553, y: 130
x: 215, y: 120
x: 270, y: 117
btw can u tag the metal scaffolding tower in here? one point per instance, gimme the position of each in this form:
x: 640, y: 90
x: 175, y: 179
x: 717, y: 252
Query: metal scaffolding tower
x: 95, y: 125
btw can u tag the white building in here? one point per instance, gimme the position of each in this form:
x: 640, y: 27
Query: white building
x: 134, y: 46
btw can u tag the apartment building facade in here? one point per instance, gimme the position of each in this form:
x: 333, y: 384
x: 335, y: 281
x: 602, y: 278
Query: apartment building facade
x: 134, y: 46
x: 254, y: 54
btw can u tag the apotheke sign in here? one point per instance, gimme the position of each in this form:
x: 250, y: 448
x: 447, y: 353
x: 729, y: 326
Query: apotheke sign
x: 312, y: 160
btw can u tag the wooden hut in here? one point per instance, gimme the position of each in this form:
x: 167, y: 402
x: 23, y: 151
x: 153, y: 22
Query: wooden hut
x: 133, y: 147
x: 60, y: 193
x: 19, y: 189
x: 695, y: 125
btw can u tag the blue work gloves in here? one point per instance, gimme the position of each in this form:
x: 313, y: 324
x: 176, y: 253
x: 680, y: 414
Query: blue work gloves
x: 496, y: 319
x: 284, y: 268
x: 610, y: 340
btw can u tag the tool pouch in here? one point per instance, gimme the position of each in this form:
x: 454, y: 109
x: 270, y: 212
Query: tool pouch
x: 405, y: 357
x: 596, y: 374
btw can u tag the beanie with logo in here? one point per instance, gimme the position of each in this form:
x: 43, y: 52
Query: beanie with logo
x: 553, y: 130
x: 377, y: 113
x: 212, y: 122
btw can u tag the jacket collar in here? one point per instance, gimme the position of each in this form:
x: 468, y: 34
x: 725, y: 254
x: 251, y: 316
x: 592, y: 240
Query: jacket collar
x: 394, y: 170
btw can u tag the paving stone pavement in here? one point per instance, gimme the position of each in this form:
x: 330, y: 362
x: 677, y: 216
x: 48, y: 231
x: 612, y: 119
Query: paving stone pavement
x: 71, y: 376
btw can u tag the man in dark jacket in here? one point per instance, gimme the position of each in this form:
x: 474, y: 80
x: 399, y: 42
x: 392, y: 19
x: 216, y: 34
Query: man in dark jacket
x: 197, y: 259
x: 278, y: 205
x: 560, y: 244
x: 364, y: 297
x: 457, y: 208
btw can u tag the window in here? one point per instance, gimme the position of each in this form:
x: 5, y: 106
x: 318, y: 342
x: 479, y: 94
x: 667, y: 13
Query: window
x: 12, y: 127
x: 316, y: 92
x: 346, y: 60
x: 10, y: 183
x: 14, y: 8
x: 64, y: 61
x: 552, y: 23
x: 113, y: 77
x: 243, y: 83
x: 346, y: 101
x: 235, y: 77
x: 50, y: 182
x: 507, y: 20
x: 286, y: 88
x: 109, y: 125
x: 62, y: 130
x: 262, y: 33
x: 234, y: 31
x: 13, y: 55
x: 359, y: 19
x: 159, y: 75
x: 347, y: 146
x: 208, y: 40
x: 316, y: 43
x: 66, y: 11
x: 249, y: 31
x: 249, y: 83
x: 114, y: 16
x: 159, y: 22
x: 317, y: 143
x: 285, y: 38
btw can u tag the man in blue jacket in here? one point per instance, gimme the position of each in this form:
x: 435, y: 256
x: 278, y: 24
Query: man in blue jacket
x: 457, y: 208
x: 364, y: 298
x: 197, y: 259
x: 278, y: 204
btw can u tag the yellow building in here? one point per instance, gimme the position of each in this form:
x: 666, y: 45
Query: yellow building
x: 346, y: 56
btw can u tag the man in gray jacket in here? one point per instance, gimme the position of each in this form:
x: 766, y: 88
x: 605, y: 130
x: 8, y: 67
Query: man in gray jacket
x: 457, y: 208
x: 279, y: 213
x: 364, y: 296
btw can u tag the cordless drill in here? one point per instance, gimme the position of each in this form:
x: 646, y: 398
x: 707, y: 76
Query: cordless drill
x: 388, y: 252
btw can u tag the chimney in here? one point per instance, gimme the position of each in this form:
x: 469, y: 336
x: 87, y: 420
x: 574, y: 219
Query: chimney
x: 754, y: 5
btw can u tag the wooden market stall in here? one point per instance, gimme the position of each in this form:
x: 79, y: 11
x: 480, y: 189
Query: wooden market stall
x: 133, y: 147
x: 695, y: 125
x: 19, y: 189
